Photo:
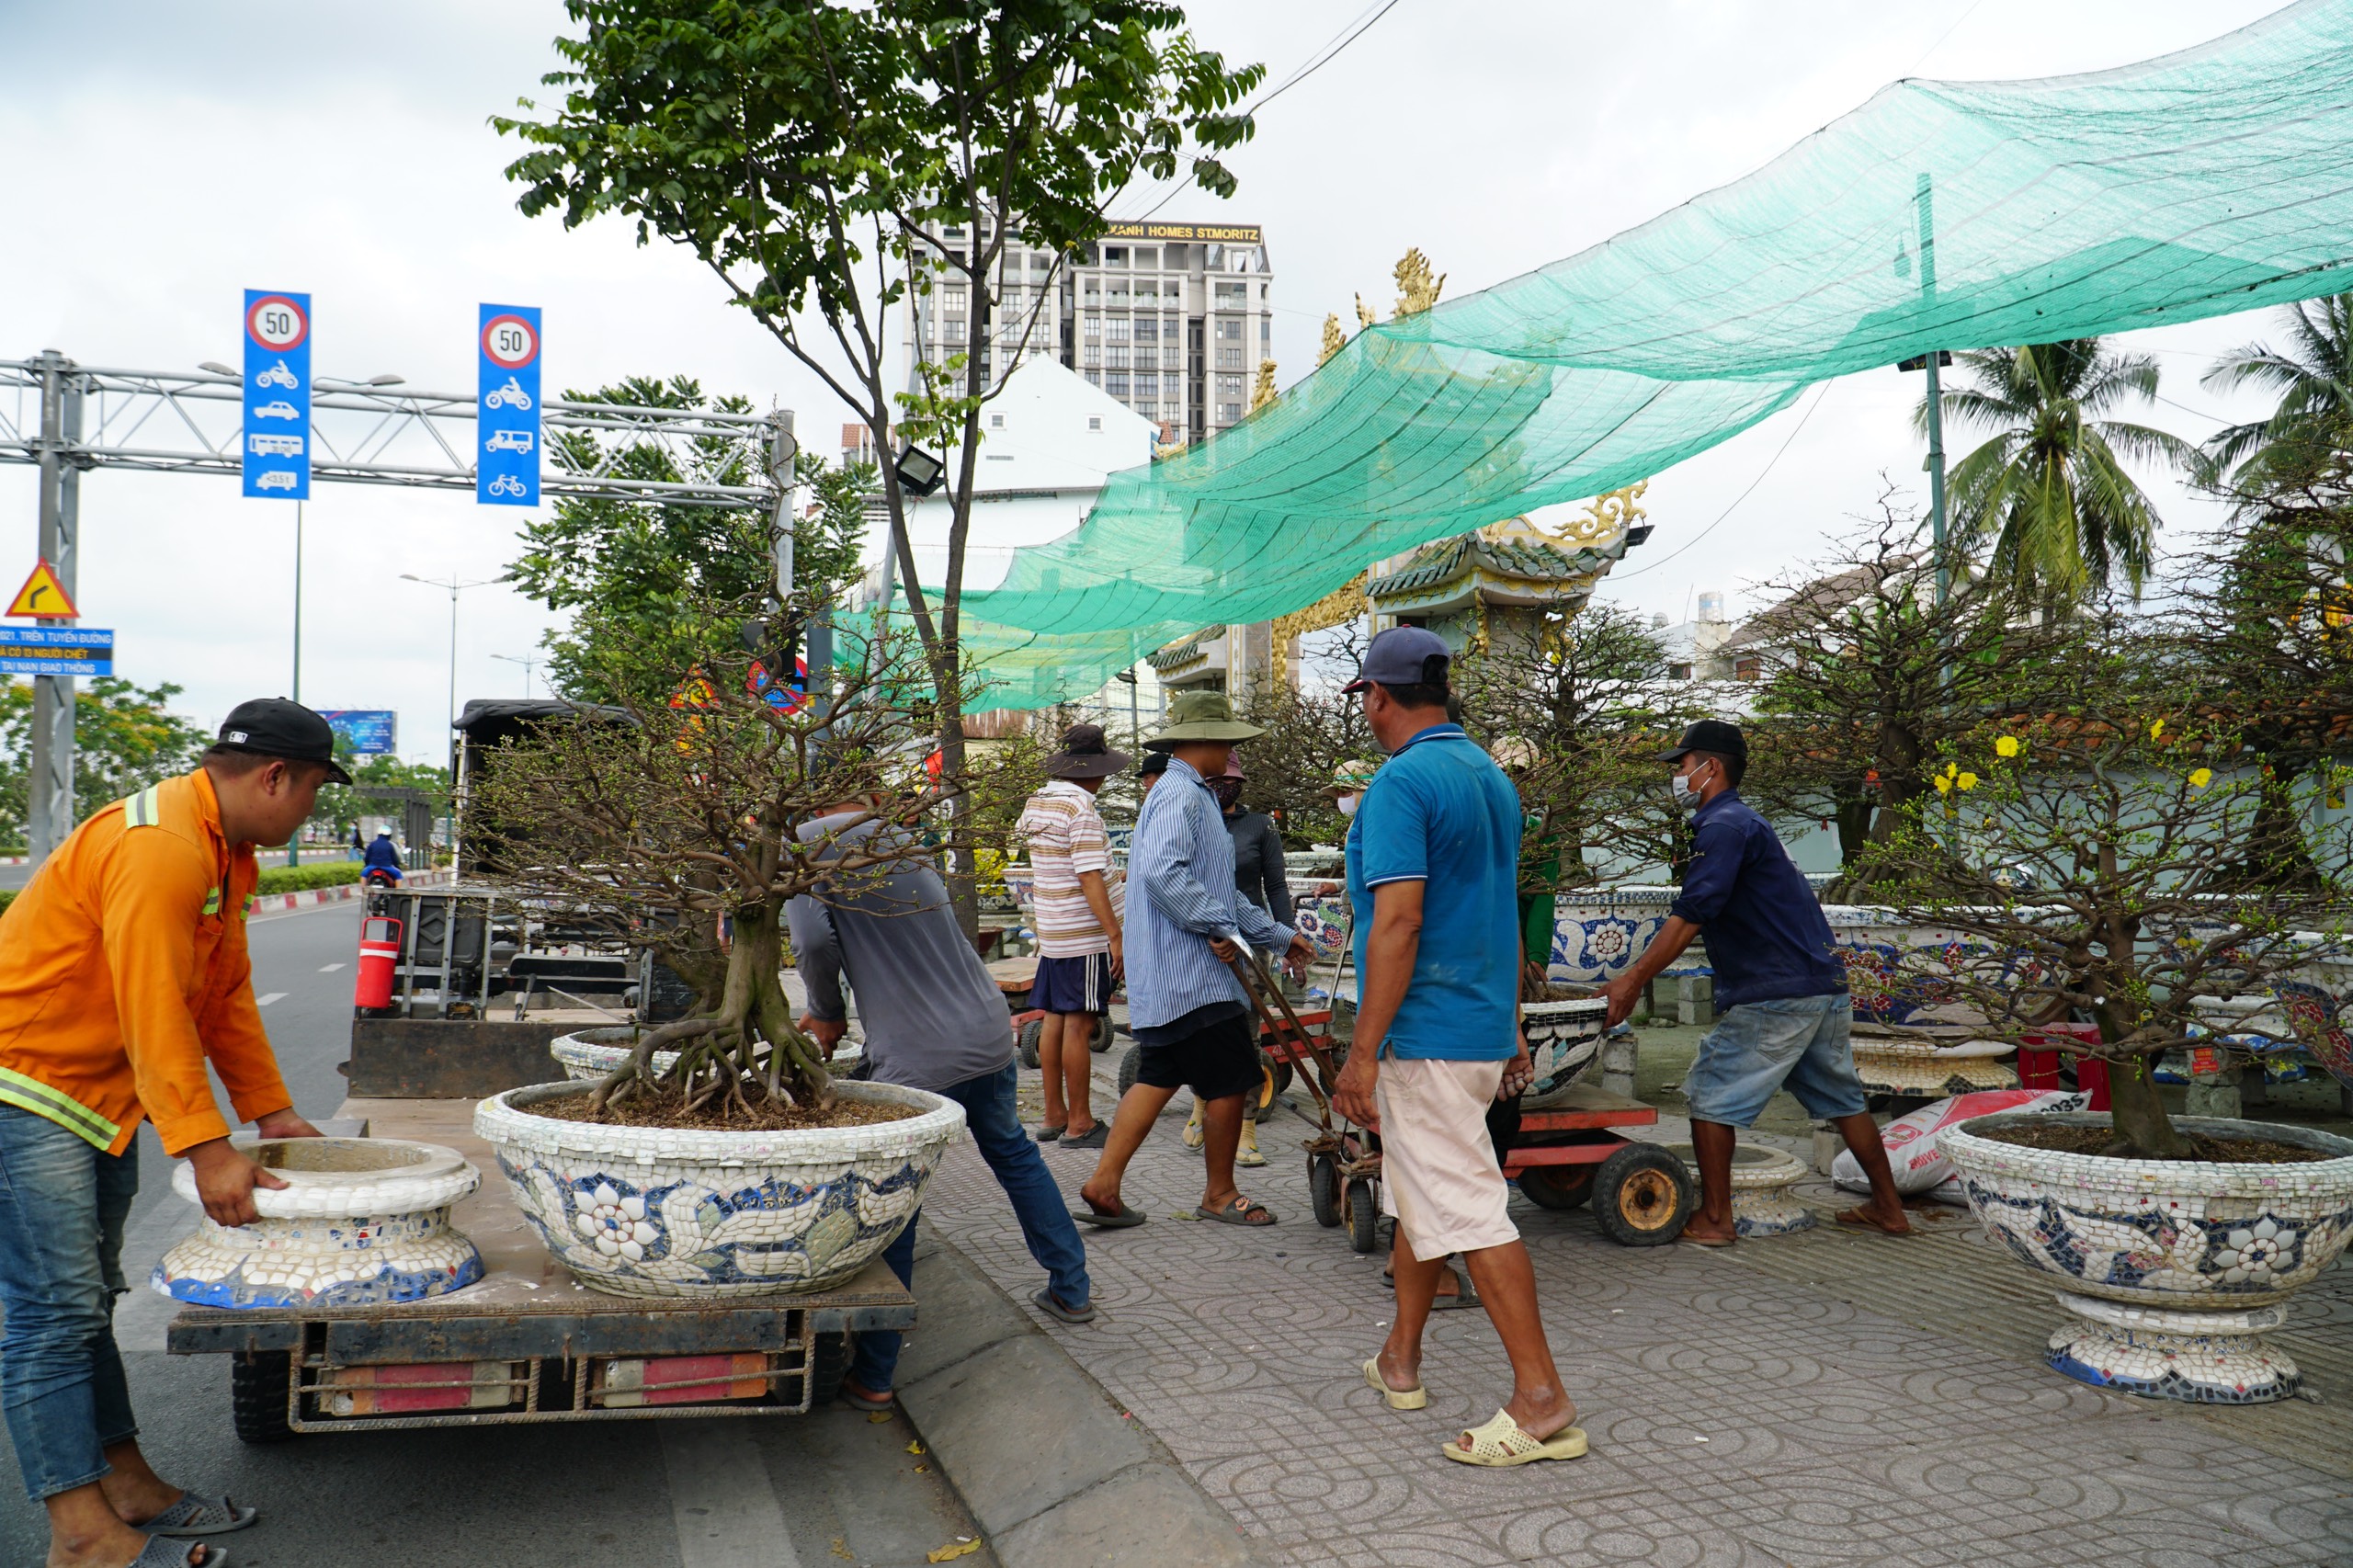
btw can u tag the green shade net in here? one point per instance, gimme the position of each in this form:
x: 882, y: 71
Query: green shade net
x: 1939, y: 215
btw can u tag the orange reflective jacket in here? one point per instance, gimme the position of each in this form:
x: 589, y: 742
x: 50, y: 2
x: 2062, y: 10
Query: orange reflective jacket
x: 123, y: 968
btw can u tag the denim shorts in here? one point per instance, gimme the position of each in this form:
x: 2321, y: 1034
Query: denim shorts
x: 1798, y: 1043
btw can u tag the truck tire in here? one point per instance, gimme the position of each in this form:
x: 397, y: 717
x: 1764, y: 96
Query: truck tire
x: 1557, y: 1187
x: 828, y: 1365
x: 1642, y: 1196
x: 259, y: 1385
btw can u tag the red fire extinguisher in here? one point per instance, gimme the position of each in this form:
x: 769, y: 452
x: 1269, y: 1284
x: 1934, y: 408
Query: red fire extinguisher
x: 380, y: 951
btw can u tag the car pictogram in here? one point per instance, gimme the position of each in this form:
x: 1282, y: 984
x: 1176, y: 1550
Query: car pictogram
x: 281, y: 409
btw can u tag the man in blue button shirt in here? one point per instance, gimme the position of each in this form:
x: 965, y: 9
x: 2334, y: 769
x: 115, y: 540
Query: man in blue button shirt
x: 1782, y: 1011
x: 1433, y: 856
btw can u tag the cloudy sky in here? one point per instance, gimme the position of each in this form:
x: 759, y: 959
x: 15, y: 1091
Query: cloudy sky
x: 164, y: 157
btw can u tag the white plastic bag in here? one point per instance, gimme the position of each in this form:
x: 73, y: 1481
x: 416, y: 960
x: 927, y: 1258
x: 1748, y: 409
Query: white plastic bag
x: 1912, y: 1140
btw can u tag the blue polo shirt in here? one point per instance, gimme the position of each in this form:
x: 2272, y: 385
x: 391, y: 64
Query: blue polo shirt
x: 1441, y: 812
x: 1767, y: 941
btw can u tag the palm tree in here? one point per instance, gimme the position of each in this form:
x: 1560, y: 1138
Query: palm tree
x: 2050, y: 490
x: 2314, y: 375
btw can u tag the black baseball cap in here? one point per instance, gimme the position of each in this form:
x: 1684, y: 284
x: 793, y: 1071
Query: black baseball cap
x: 275, y: 726
x: 1710, y: 734
x: 1401, y: 656
x: 1154, y: 763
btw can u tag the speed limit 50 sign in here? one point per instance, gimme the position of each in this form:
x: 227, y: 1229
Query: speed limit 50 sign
x: 275, y: 445
x: 506, y: 413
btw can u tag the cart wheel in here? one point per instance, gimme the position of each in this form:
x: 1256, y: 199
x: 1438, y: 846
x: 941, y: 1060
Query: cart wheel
x: 1283, y: 1077
x: 1129, y: 1063
x: 1104, y: 1034
x: 828, y: 1365
x: 1259, y: 1100
x: 1642, y: 1195
x: 259, y: 1386
x: 1361, y: 1208
x: 1557, y: 1187
x: 1323, y: 1190
x: 1031, y: 1032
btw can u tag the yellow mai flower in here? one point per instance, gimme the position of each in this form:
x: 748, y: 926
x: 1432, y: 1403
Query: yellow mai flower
x: 2202, y: 776
x: 1966, y: 782
x: 1944, y: 785
x: 2005, y: 745
x: 2156, y: 729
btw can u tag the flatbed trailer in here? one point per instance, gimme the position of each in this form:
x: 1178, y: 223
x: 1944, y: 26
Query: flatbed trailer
x: 528, y: 1342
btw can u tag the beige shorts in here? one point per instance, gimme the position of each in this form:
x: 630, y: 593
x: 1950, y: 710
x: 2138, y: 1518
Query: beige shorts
x: 1440, y: 1177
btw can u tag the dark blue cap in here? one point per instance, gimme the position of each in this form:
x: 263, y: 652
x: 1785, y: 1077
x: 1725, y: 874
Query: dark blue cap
x: 1401, y: 656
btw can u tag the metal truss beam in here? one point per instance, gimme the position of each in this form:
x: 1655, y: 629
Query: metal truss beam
x: 190, y: 422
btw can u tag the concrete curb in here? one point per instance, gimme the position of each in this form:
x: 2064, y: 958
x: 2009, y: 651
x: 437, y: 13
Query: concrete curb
x: 1056, y: 1472
x: 342, y: 892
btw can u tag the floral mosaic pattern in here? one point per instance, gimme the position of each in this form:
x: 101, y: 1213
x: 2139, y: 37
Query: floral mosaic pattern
x: 1592, y: 944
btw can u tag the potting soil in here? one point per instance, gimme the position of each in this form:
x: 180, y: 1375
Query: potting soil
x: 667, y: 1107
x: 2072, y: 1140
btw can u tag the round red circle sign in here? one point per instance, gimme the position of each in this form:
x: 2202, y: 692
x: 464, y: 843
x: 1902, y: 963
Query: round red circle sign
x: 510, y: 341
x: 276, y: 322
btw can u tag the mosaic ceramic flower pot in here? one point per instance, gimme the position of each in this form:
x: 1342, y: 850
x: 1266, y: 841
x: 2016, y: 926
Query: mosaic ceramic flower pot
x: 1563, y: 1038
x: 1930, y: 1069
x: 2174, y: 1268
x: 362, y: 1221
x: 588, y: 1055
x: 1596, y: 935
x: 657, y: 1211
x: 1763, y: 1203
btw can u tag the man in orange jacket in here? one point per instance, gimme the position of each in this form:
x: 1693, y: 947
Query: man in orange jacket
x: 123, y: 971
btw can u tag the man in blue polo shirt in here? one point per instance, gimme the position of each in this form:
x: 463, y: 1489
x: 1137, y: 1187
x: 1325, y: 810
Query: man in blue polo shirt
x: 1782, y: 1011
x: 1433, y: 857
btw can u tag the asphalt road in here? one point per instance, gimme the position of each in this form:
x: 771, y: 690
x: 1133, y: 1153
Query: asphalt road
x: 827, y: 1488
x: 13, y: 877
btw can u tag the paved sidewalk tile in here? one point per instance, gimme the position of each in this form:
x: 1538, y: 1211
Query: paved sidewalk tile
x: 1742, y: 1414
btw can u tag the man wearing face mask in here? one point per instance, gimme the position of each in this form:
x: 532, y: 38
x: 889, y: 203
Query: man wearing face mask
x: 1783, y: 1014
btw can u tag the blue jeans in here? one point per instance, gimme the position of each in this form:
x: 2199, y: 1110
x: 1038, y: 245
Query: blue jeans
x: 62, y: 1205
x: 1037, y: 1203
x: 1798, y: 1043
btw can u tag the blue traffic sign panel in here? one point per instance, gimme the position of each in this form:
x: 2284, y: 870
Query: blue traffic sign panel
x: 56, y: 651
x: 370, y: 732
x: 506, y: 419
x: 276, y: 442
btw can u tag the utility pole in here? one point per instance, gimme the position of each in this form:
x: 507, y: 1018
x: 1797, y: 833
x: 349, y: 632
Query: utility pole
x: 453, y: 587
x: 294, y: 844
x: 784, y: 524
x: 49, y: 814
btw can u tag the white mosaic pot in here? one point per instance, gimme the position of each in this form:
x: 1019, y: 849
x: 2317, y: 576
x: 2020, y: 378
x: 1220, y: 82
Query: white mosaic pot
x: 362, y: 1221
x: 589, y: 1055
x: 2194, y: 1256
x: 1762, y: 1177
x: 655, y: 1212
x: 1921, y: 1069
x: 1563, y: 1040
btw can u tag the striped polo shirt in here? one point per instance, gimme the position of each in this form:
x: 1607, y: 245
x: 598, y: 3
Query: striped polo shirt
x: 1065, y: 838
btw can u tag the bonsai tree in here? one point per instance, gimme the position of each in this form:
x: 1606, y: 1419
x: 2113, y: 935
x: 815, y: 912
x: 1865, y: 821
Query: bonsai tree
x: 658, y: 821
x: 2088, y: 859
x: 1870, y: 668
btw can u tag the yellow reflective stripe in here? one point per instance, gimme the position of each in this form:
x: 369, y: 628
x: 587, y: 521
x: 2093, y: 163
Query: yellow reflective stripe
x: 251, y: 899
x: 146, y: 809
x: 212, y: 901
x: 32, y: 1094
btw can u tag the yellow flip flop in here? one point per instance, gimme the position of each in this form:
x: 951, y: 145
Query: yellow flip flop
x: 1414, y: 1398
x: 1500, y: 1443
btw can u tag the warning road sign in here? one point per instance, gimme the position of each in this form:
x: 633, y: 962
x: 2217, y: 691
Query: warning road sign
x: 43, y: 595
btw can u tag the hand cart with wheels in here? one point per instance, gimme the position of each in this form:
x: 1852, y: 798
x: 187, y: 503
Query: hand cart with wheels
x: 1014, y: 978
x: 1570, y: 1153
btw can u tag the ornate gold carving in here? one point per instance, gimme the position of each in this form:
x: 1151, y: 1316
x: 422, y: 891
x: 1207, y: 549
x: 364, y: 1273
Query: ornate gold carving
x: 1334, y: 340
x: 1607, y: 516
x: 1339, y: 606
x: 1364, y: 317
x: 1264, y: 392
x: 1420, y: 290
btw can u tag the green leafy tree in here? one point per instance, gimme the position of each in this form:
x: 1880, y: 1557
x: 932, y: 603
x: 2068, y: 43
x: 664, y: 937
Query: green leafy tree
x: 2313, y: 378
x: 125, y: 738
x: 658, y: 590
x: 2048, y: 496
x: 804, y: 152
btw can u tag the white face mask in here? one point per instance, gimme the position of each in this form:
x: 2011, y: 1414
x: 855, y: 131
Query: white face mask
x: 1687, y: 793
x: 1348, y: 804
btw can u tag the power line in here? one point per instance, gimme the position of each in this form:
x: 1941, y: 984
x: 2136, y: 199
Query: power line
x: 1315, y: 62
x: 1820, y: 392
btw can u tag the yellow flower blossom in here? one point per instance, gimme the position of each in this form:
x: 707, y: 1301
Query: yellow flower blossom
x: 1966, y: 782
x: 2005, y: 745
x: 2156, y: 729
x: 1944, y: 785
x: 2200, y: 778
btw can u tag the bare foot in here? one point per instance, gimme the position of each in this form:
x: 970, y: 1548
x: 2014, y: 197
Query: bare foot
x: 1399, y: 1373
x: 1709, y: 1233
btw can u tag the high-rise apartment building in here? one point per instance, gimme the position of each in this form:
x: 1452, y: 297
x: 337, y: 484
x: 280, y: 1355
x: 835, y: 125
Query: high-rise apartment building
x: 1171, y: 319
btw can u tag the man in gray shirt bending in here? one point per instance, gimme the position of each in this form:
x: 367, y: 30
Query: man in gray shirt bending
x: 934, y: 1020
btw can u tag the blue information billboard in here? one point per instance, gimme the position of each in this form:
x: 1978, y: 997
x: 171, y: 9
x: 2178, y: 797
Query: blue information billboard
x: 56, y: 651
x: 368, y: 731
x: 506, y: 456
x: 277, y: 441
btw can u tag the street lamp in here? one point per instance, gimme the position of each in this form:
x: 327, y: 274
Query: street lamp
x: 528, y: 666
x: 454, y: 587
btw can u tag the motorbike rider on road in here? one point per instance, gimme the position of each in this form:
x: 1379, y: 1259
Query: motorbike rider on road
x: 383, y: 855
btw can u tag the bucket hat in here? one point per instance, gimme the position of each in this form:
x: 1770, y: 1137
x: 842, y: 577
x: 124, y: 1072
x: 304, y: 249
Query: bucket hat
x: 1202, y: 716
x: 1085, y: 755
x: 1352, y: 777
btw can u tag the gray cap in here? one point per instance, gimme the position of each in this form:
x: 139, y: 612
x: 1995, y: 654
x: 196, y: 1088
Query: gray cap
x: 1401, y: 656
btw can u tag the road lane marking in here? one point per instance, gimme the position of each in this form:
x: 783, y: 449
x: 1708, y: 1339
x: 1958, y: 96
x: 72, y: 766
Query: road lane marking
x: 329, y: 968
x: 266, y: 997
x: 721, y: 1499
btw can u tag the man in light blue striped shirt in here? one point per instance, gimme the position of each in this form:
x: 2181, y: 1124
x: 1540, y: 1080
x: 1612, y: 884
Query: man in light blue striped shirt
x: 1185, y: 1006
